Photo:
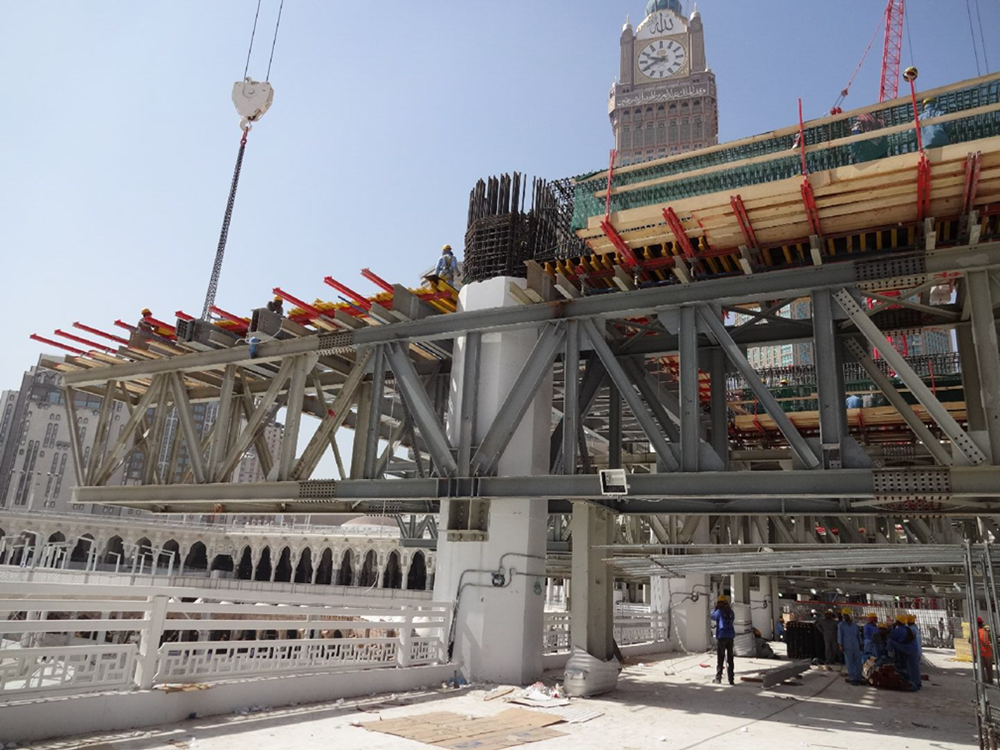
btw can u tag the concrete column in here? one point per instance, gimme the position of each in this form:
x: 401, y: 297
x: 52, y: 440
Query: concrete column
x: 592, y: 612
x: 686, y: 603
x: 498, y: 630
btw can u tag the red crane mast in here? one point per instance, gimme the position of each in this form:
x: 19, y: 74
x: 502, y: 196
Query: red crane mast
x: 892, y: 50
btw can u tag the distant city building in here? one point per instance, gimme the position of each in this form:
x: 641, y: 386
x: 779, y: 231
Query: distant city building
x: 664, y: 101
x: 782, y: 355
x: 37, y: 470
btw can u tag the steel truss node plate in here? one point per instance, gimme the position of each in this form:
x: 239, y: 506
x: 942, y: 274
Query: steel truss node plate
x: 318, y: 489
x: 913, y: 489
x: 891, y: 273
x: 336, y: 343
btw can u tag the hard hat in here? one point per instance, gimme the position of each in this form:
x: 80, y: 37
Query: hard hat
x: 278, y: 298
x: 979, y: 620
x: 723, y: 598
x: 901, y: 619
x: 872, y: 616
x: 846, y: 611
x: 910, y: 74
x: 927, y: 101
x: 446, y: 249
x: 784, y: 381
x: 756, y: 632
x: 146, y: 311
x: 911, y: 619
x: 883, y: 626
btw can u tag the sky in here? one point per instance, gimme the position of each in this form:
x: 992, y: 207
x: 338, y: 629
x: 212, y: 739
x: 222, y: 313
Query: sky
x: 118, y: 134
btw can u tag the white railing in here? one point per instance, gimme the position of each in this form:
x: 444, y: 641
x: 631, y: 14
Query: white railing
x: 632, y: 627
x: 157, y: 638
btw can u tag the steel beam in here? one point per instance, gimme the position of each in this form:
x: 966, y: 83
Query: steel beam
x: 593, y: 378
x: 829, y: 373
x: 255, y: 422
x: 469, y: 401
x: 571, y: 397
x: 69, y: 397
x: 137, y: 415
x: 923, y: 434
x: 640, y: 303
x: 219, y: 446
x: 795, y: 440
x: 920, y: 391
x: 536, y: 368
x: 689, y: 389
x: 374, y: 413
x: 293, y: 414
x: 333, y: 419
x: 183, y: 409
x: 628, y: 393
x: 663, y: 405
x: 719, y: 409
x: 614, y: 428
x: 421, y: 408
x: 984, y: 334
x: 99, y: 446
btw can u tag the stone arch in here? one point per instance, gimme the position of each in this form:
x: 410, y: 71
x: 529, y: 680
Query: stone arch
x: 114, y: 551
x: 81, y: 552
x: 345, y: 574
x: 283, y: 568
x: 197, y: 557
x: 304, y: 570
x: 324, y: 572
x: 169, y: 546
x: 222, y: 562
x: 368, y: 575
x: 263, y: 572
x: 244, y: 571
x: 3, y: 548
x: 56, y: 538
x: 392, y: 576
x: 144, y: 553
x: 416, y: 576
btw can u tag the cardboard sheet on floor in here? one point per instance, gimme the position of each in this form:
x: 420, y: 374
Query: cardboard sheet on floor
x: 509, y: 728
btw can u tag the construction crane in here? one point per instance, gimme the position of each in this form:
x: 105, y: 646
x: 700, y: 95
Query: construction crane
x: 251, y: 99
x: 892, y: 53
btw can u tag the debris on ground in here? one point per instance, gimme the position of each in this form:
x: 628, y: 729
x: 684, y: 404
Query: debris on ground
x: 509, y: 728
x: 499, y: 692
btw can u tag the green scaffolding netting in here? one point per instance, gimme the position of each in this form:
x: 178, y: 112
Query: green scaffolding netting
x: 787, y: 162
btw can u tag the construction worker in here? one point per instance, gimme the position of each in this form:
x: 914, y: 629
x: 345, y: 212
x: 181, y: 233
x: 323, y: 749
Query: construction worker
x: 870, y: 630
x: 905, y: 650
x: 447, y: 266
x: 985, y: 650
x: 828, y: 628
x: 933, y: 135
x: 854, y: 401
x: 779, y: 629
x: 144, y: 324
x: 911, y: 623
x: 762, y: 649
x: 725, y: 636
x: 276, y: 305
x: 868, y: 149
x: 849, y: 641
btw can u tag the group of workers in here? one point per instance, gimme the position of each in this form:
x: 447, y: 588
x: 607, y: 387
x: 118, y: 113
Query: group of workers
x: 867, y: 648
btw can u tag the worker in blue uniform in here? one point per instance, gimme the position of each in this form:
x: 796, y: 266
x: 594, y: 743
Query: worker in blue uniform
x: 869, y: 631
x: 905, y: 649
x: 849, y: 641
x: 725, y: 636
x: 447, y: 266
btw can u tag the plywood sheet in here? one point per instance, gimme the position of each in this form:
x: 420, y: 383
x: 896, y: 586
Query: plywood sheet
x: 508, y: 728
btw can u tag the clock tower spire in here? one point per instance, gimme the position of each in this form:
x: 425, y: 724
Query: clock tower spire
x: 665, y: 100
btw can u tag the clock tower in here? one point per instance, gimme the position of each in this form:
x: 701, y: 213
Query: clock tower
x: 664, y: 102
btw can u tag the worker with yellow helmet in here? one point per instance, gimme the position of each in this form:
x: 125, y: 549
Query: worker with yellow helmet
x: 869, y: 631
x: 447, y: 266
x: 725, y: 636
x: 905, y: 651
x: 849, y: 641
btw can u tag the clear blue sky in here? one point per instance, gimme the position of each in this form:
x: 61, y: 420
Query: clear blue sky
x: 117, y: 134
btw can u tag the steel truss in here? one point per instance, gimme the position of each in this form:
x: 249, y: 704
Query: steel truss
x: 612, y: 404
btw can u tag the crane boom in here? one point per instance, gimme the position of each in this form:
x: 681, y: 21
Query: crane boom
x: 892, y: 50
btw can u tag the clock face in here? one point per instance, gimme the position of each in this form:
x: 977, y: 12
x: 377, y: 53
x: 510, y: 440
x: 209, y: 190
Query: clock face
x: 661, y: 58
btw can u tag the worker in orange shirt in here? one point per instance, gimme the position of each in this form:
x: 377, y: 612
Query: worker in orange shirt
x: 985, y: 650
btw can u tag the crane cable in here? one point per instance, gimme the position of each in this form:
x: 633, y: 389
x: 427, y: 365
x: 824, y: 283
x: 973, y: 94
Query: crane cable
x: 213, y: 281
x: 835, y: 109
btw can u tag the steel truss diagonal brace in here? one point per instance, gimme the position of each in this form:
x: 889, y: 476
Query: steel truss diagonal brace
x: 536, y: 368
x: 334, y: 418
x: 624, y: 386
x: 590, y: 385
x: 255, y: 422
x: 795, y: 440
x: 127, y: 431
x: 910, y: 379
x: 924, y: 435
x: 191, y: 437
x: 421, y: 408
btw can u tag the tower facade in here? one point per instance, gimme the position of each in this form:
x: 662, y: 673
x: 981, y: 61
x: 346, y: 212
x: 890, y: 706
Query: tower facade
x: 665, y: 101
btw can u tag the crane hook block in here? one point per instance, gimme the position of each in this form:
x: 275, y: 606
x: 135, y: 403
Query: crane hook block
x: 252, y: 99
